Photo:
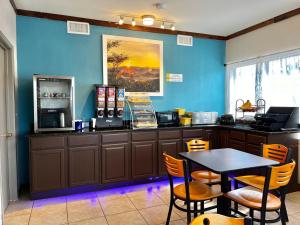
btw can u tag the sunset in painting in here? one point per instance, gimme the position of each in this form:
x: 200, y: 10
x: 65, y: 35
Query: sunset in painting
x: 134, y: 65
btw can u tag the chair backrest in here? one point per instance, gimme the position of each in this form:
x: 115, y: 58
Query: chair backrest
x: 281, y: 175
x: 217, y: 219
x: 197, y: 145
x: 276, y: 152
x: 174, y: 166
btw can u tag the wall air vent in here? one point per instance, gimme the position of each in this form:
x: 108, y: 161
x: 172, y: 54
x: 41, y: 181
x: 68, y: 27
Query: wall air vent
x: 184, y: 40
x: 78, y: 28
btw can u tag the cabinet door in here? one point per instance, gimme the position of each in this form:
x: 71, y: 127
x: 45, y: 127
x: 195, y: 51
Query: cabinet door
x: 254, y: 143
x: 237, y: 140
x: 213, y: 137
x: 236, y: 144
x: 144, y: 159
x: 47, y: 170
x: 223, y: 134
x: 83, y: 165
x: 189, y: 134
x: 115, y: 166
x: 171, y: 147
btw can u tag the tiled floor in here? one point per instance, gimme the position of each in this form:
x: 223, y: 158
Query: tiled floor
x: 133, y: 205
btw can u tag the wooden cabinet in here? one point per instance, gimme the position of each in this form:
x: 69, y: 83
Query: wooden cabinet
x: 172, y: 147
x: 237, y: 140
x: 48, y: 170
x: 144, y: 159
x: 47, y: 163
x: 83, y: 165
x: 115, y: 162
x: 223, y: 138
x: 60, y: 161
x: 254, y: 142
x: 189, y: 134
x: 213, y: 137
x: 83, y: 159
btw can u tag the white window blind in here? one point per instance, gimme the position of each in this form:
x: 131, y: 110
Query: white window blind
x: 275, y: 78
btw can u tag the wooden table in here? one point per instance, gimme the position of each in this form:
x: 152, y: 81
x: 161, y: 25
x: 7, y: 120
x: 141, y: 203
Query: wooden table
x: 224, y: 161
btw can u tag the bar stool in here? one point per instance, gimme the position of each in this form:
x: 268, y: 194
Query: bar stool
x: 189, y: 191
x: 205, y: 176
x: 277, y: 152
x: 217, y: 219
x: 258, y: 197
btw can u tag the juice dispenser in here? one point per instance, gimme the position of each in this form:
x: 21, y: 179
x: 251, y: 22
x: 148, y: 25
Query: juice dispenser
x: 120, y: 99
x: 110, y: 103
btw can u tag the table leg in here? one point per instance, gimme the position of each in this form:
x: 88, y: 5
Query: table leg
x: 224, y: 203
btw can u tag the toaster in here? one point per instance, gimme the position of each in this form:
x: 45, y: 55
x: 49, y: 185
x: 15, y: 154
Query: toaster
x: 204, y: 117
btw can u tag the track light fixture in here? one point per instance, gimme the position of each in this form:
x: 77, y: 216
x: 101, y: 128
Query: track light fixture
x: 147, y: 20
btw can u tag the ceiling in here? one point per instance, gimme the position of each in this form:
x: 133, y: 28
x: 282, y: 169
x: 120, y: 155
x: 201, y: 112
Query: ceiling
x: 217, y: 17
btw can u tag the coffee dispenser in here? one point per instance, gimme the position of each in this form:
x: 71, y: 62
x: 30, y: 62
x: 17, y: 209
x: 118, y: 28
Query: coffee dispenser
x: 110, y: 103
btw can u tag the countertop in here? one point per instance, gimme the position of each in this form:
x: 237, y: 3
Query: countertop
x: 212, y: 126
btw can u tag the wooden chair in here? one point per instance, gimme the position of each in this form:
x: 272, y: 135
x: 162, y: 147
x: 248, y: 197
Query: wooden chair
x: 276, y: 152
x: 189, y: 191
x: 217, y: 219
x: 258, y: 198
x: 205, y: 176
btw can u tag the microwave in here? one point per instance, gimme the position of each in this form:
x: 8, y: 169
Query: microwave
x: 167, y: 119
x: 204, y: 117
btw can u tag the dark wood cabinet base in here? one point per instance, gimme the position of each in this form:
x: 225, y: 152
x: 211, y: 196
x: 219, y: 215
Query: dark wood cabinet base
x: 67, y: 163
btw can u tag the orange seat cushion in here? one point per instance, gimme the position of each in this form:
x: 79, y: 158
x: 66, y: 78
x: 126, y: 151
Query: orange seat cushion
x: 198, y: 191
x: 254, y: 181
x: 251, y: 197
x: 206, y: 176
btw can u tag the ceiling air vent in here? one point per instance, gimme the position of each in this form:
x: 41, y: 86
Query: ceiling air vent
x: 78, y: 28
x: 184, y: 40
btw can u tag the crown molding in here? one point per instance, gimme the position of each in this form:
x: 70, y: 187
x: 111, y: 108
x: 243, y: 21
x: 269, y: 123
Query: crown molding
x: 115, y: 25
x: 265, y: 23
x: 53, y: 16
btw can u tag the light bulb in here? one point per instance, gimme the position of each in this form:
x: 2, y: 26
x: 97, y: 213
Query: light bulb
x: 148, y: 20
x: 172, y: 27
x: 162, y: 26
x: 133, y: 23
x: 121, y: 20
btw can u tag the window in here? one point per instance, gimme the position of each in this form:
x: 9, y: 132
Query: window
x: 274, y: 78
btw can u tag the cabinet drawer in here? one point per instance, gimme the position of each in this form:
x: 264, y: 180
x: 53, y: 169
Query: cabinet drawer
x: 193, y: 133
x: 169, y: 134
x: 256, y: 139
x: 238, y: 135
x: 83, y: 140
x: 144, y: 136
x: 115, y: 138
x: 39, y: 143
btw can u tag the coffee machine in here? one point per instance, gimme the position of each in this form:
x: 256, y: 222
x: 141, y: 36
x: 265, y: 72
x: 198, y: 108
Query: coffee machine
x: 110, y: 104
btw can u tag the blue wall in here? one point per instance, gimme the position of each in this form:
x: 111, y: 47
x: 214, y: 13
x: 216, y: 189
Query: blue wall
x: 45, y: 47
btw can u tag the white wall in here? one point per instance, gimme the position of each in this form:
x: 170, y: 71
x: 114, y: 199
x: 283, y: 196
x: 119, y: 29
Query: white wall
x: 8, y: 29
x: 8, y: 21
x: 278, y: 37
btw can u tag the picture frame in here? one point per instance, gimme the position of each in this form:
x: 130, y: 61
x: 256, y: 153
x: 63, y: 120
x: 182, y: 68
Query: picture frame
x: 133, y: 63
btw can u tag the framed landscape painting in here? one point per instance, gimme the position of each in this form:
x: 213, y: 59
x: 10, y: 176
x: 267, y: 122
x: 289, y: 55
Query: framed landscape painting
x: 133, y: 63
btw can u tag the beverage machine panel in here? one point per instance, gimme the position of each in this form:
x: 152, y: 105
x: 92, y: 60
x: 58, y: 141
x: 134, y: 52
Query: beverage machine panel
x: 54, y: 103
